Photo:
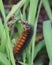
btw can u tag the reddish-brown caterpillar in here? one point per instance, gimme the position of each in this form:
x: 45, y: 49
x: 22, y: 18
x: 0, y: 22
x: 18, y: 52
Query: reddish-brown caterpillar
x: 24, y: 39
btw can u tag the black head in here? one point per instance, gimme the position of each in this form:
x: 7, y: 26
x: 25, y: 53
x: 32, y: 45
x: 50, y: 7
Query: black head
x: 25, y: 24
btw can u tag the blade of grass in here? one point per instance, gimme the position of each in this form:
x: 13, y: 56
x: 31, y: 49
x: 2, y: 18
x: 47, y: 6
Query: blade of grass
x: 24, y: 58
x: 47, y: 31
x: 47, y: 8
x: 32, y: 11
x: 3, y: 37
x: 14, y: 8
x: 35, y: 29
x: 40, y: 45
x: 24, y: 9
x: 10, y: 50
x: 1, y: 28
x: 2, y: 9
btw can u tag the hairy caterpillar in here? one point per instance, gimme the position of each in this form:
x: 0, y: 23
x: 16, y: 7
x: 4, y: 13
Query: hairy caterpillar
x: 24, y: 39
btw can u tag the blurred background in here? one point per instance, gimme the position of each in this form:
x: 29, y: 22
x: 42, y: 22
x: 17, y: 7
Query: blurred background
x: 42, y: 17
x: 10, y: 1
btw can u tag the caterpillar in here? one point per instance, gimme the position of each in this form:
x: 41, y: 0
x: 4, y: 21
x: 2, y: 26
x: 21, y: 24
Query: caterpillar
x: 24, y: 39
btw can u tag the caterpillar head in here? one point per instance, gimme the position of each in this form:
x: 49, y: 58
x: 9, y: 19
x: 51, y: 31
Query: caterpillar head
x: 25, y: 24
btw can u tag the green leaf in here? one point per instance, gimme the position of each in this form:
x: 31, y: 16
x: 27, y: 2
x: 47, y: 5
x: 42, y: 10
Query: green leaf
x: 3, y: 37
x: 2, y: 9
x: 35, y: 29
x: 47, y: 8
x: 47, y: 31
x: 32, y: 11
x: 24, y: 9
x: 40, y: 45
x: 1, y: 28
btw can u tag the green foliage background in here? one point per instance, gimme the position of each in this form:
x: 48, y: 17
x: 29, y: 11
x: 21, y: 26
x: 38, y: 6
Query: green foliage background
x: 6, y: 49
